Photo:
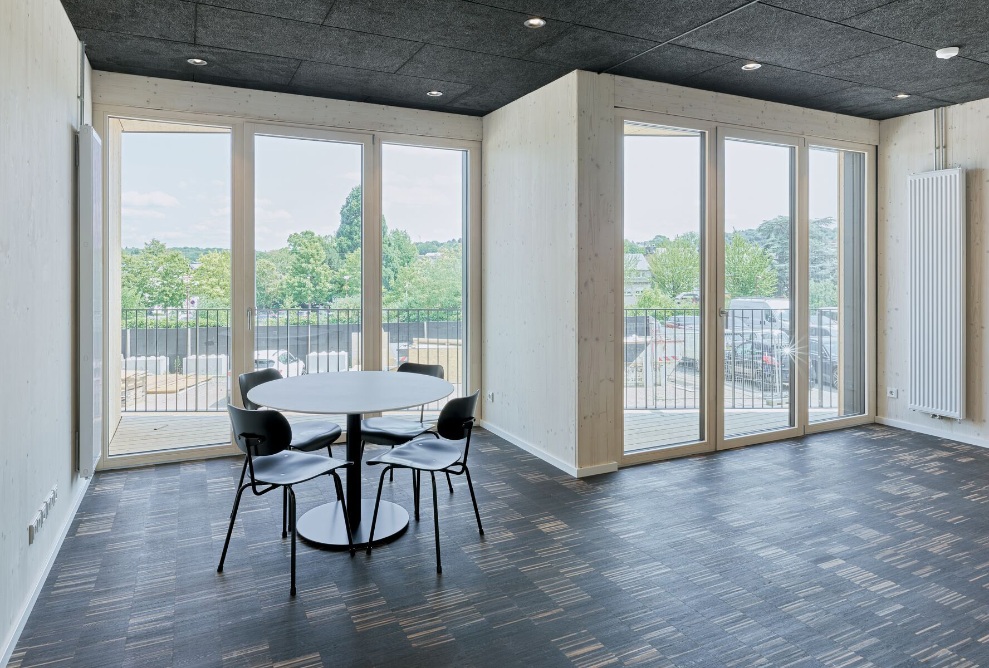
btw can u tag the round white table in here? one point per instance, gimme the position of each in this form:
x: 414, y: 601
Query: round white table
x: 353, y: 393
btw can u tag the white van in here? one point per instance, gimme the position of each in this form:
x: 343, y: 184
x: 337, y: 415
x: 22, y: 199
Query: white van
x: 758, y: 313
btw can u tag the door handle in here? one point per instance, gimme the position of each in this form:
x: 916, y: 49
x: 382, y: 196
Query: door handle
x: 723, y: 312
x: 250, y: 319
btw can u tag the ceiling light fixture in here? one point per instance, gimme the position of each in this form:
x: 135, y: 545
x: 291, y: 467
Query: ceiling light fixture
x: 198, y: 62
x: 748, y: 67
x: 435, y: 93
x: 947, y: 52
x: 534, y: 22
x: 901, y: 96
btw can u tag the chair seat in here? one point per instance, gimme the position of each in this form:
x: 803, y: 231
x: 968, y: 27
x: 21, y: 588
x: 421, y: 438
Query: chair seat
x: 291, y: 467
x: 389, y: 430
x: 310, y: 435
x: 425, y: 454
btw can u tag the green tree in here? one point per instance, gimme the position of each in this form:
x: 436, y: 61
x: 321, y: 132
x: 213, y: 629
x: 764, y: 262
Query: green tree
x: 653, y: 297
x: 269, y: 288
x: 348, y: 236
x: 632, y: 247
x: 211, y: 280
x: 749, y: 269
x: 346, y: 281
x: 397, y: 251
x: 156, y: 275
x: 823, y: 293
x: 430, y: 283
x: 309, y: 280
x: 676, y: 265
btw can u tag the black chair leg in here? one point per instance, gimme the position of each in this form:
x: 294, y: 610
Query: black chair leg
x: 391, y: 472
x: 230, y: 528
x: 470, y: 486
x: 343, y: 506
x: 291, y: 502
x: 436, y: 523
x: 449, y: 483
x: 416, y: 490
x: 377, y: 502
x: 284, y: 512
x: 240, y: 483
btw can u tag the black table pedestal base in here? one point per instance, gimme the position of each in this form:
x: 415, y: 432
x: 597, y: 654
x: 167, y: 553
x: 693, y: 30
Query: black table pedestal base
x: 323, y: 525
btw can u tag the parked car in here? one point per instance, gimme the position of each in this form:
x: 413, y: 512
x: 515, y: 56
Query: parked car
x: 688, y: 298
x: 823, y: 363
x: 684, y: 321
x: 757, y: 313
x: 286, y: 363
x: 764, y: 363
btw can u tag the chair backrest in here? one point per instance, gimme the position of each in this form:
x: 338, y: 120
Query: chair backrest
x: 457, y: 417
x: 424, y: 369
x: 248, y: 381
x: 270, y: 428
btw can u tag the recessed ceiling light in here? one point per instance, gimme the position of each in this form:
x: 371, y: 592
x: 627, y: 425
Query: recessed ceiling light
x: 748, y: 67
x: 199, y: 62
x: 901, y: 96
x: 435, y: 93
x: 947, y: 52
x: 534, y: 22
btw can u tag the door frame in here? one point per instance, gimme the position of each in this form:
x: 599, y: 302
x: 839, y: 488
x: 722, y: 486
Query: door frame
x: 798, y: 288
x: 712, y: 281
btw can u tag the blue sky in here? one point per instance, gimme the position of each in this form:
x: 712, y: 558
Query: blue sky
x: 176, y: 187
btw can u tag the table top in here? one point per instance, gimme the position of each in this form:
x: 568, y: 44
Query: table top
x: 350, y: 392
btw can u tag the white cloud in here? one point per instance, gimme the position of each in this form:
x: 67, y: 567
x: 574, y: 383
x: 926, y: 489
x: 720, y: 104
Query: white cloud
x: 154, y: 198
x: 141, y: 213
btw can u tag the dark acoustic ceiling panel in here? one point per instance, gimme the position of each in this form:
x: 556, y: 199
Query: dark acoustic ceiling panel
x: 847, y: 56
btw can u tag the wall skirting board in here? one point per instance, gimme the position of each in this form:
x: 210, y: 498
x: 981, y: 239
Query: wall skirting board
x: 933, y: 431
x: 609, y: 467
x: 11, y: 641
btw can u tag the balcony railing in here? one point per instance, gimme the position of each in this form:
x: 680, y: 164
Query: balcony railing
x: 663, y: 359
x: 178, y: 360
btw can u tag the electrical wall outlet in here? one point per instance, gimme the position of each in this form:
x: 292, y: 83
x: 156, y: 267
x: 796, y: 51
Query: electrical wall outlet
x: 491, y: 397
x: 39, y: 518
x: 892, y: 392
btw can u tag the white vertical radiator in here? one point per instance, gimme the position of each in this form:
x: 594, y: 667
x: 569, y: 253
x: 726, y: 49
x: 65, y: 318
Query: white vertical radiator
x: 937, y: 293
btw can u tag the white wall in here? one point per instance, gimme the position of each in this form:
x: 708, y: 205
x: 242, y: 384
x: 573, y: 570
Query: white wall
x: 39, y: 71
x: 528, y: 281
x: 907, y: 147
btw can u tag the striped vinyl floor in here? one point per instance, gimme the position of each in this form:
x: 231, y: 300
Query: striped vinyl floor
x: 864, y: 547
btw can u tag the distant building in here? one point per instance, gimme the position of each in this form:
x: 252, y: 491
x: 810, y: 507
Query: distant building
x: 638, y: 277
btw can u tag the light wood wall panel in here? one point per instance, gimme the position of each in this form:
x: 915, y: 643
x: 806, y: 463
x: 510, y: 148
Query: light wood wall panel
x: 39, y: 84
x: 907, y: 147
x: 599, y: 254
x: 125, y: 90
x: 529, y: 284
x: 742, y: 111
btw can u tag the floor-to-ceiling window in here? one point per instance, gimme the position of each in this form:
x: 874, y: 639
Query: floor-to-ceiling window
x: 423, y: 258
x: 664, y: 219
x: 174, y: 280
x: 238, y: 246
x: 746, y: 308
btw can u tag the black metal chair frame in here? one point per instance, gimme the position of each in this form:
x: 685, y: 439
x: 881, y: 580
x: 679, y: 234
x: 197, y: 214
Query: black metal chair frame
x: 436, y: 371
x: 457, y: 468
x: 249, y: 442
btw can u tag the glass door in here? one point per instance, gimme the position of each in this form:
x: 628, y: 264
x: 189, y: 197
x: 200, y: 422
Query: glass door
x: 664, y: 219
x: 758, y: 254
x: 169, y: 246
x: 307, y: 226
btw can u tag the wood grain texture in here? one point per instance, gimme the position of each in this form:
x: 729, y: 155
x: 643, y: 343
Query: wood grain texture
x: 858, y: 548
x: 742, y: 111
x: 907, y: 147
x: 529, y: 269
x: 125, y: 90
x: 39, y: 108
x: 599, y: 382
